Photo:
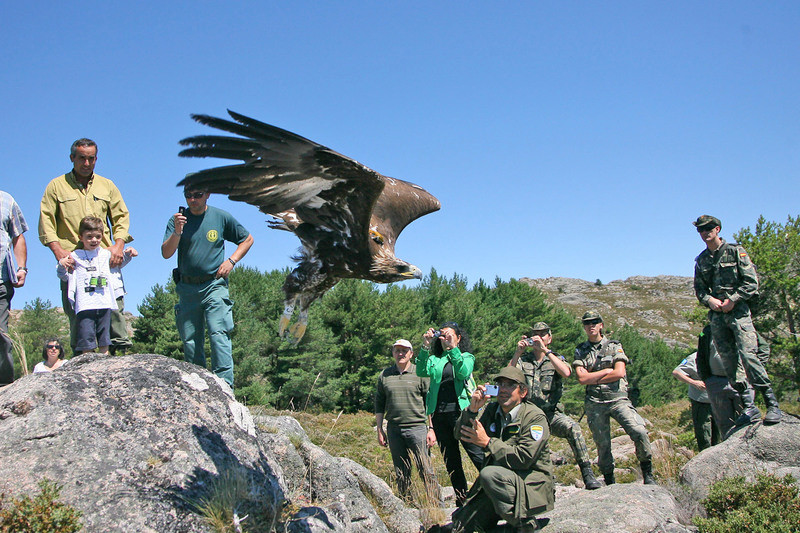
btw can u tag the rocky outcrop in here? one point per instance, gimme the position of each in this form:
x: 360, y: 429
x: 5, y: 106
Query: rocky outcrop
x: 749, y: 451
x: 138, y: 443
x: 628, y: 507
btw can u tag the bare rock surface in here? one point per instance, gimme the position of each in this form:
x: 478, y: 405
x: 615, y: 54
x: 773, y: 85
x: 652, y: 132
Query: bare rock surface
x: 749, y: 451
x: 136, y: 442
x: 628, y: 507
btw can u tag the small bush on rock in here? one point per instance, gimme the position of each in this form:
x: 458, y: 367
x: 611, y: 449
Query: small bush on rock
x: 41, y: 514
x: 770, y: 505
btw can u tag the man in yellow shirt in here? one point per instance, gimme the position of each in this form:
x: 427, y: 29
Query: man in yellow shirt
x: 66, y: 201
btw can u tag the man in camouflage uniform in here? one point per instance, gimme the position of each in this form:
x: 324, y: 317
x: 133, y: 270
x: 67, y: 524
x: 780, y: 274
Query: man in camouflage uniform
x: 724, y: 280
x: 544, y: 371
x: 516, y: 482
x: 600, y: 365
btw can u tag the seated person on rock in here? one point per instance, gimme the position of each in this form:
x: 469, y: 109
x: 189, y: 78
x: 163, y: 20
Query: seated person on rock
x: 516, y: 482
x: 544, y: 370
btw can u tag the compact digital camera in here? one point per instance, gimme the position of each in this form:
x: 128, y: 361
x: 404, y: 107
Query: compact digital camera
x: 491, y: 390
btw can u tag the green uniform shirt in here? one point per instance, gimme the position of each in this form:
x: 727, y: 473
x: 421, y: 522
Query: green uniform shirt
x: 202, y: 246
x: 725, y: 273
x: 597, y: 356
x: 545, y: 385
x: 521, y: 446
x: 401, y: 395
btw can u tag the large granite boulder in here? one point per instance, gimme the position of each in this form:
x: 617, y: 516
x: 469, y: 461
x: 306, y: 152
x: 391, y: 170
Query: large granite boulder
x: 749, y: 451
x: 136, y: 441
x: 628, y: 507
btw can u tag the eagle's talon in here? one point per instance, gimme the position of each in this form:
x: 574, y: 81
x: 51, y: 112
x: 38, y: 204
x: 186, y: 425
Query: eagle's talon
x: 296, y: 332
x: 283, y: 324
x: 377, y: 237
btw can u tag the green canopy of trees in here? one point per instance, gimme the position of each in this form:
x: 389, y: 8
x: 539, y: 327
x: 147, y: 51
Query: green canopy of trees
x: 352, y: 328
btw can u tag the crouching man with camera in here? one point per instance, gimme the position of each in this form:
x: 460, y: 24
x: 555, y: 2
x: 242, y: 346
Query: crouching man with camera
x: 516, y: 482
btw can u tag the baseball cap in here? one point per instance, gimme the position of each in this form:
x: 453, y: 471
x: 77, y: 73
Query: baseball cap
x: 540, y: 326
x: 513, y: 373
x: 706, y: 220
x: 403, y: 342
x: 591, y: 315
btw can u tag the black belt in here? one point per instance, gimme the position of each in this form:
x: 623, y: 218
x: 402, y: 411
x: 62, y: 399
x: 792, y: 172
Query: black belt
x: 196, y: 279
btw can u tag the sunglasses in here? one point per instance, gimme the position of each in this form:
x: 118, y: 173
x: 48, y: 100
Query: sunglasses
x: 592, y: 322
x: 53, y: 346
x: 702, y: 229
x: 194, y: 195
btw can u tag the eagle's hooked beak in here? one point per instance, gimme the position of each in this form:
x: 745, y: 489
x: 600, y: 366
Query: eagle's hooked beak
x: 413, y: 273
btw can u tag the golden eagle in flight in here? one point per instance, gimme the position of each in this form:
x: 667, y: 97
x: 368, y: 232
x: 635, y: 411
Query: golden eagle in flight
x: 346, y: 215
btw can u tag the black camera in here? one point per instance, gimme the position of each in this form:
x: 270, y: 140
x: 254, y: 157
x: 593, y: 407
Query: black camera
x: 182, y: 210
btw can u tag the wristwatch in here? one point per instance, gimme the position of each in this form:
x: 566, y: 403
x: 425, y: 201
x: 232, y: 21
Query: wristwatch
x: 23, y: 268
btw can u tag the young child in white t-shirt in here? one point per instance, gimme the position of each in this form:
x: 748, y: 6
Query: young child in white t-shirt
x: 91, y: 288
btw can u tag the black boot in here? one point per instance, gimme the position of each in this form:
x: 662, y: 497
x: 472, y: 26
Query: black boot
x: 589, y: 481
x: 750, y: 413
x: 609, y: 478
x: 773, y: 415
x: 647, y: 472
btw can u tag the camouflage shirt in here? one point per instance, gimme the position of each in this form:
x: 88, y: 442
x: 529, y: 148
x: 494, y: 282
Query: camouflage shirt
x: 725, y: 273
x: 597, y: 356
x: 545, y: 385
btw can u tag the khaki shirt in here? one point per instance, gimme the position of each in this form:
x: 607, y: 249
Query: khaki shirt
x: 65, y: 203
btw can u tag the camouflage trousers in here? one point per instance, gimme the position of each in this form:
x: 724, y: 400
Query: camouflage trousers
x: 735, y: 339
x: 599, y: 415
x: 563, y: 426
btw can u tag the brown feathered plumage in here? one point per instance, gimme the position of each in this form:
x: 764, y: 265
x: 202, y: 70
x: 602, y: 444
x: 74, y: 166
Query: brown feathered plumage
x: 346, y: 215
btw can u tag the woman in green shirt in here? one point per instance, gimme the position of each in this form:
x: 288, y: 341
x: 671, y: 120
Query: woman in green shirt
x: 445, y: 359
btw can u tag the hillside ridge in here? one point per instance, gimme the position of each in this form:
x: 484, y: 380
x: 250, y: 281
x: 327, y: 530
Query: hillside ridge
x: 655, y: 305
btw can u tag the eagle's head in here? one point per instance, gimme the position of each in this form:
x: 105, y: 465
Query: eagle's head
x: 387, y: 268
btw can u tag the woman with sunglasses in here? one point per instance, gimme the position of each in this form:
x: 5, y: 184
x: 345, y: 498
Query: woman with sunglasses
x: 445, y: 359
x: 52, y: 355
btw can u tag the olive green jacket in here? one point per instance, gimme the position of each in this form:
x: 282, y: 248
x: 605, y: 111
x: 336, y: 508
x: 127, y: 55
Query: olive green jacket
x: 522, y: 448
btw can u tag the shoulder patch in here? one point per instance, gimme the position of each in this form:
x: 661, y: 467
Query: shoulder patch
x: 537, y: 432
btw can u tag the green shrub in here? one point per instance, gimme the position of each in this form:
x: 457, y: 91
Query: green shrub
x: 40, y: 514
x: 770, y: 505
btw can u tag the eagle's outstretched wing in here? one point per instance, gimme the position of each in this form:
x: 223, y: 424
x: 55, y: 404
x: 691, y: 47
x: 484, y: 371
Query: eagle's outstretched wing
x: 283, y: 173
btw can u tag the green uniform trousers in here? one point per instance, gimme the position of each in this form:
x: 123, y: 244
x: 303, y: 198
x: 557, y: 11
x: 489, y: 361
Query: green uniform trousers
x: 735, y: 339
x: 599, y: 415
x: 563, y: 426
x: 706, y: 431
x: 209, y: 305
x: 502, y: 490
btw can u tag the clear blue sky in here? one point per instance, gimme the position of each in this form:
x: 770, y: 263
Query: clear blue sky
x: 573, y: 139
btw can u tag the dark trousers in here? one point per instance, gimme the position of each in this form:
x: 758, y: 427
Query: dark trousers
x: 705, y: 429
x: 6, y: 357
x: 444, y: 425
x: 119, y: 327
